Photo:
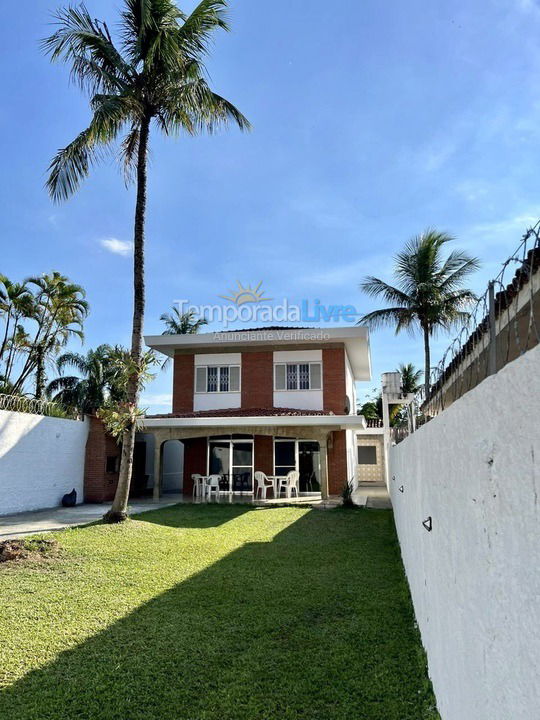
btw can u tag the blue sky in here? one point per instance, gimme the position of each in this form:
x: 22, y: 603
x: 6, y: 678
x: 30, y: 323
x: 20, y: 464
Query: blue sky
x: 370, y: 121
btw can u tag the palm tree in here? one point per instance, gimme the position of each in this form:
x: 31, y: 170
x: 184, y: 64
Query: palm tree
x: 179, y: 323
x: 96, y: 383
x: 58, y: 310
x: 429, y: 294
x: 155, y: 76
x: 410, y: 378
x: 410, y: 383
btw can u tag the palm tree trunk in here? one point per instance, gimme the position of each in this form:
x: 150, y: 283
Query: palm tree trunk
x: 427, y: 364
x: 40, y: 371
x: 118, y: 511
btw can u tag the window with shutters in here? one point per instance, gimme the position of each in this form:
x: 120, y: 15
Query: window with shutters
x: 298, y: 376
x: 217, y: 379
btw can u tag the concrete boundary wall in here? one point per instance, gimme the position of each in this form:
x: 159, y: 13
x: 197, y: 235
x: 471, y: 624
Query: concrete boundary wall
x: 475, y: 578
x: 41, y: 459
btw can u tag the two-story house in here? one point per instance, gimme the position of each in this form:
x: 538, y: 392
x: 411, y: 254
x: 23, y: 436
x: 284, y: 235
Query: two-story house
x: 270, y: 399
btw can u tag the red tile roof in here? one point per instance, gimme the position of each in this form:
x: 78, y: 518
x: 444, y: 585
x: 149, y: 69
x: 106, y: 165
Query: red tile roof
x: 244, y: 412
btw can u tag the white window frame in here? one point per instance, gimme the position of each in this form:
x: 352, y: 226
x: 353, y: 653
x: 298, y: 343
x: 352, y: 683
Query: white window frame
x: 296, y: 442
x: 219, y: 390
x: 231, y: 442
x: 310, y: 363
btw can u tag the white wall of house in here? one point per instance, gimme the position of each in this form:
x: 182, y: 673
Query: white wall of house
x: 41, y: 459
x: 216, y: 401
x: 350, y: 386
x: 350, y: 439
x: 474, y: 580
x: 299, y: 399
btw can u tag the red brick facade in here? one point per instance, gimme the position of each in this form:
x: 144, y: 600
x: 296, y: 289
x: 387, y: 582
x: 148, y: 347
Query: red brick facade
x: 257, y: 391
x: 334, y: 386
x: 258, y: 380
x: 263, y: 449
x: 99, y: 485
x: 337, y: 462
x: 195, y: 459
x: 183, y: 383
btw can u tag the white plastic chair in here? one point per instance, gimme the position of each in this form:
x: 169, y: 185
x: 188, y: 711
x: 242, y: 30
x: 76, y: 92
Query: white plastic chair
x: 198, y: 485
x: 212, y: 485
x: 289, y: 483
x: 263, y: 483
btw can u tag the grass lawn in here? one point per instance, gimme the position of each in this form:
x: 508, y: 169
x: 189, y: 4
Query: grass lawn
x: 216, y: 612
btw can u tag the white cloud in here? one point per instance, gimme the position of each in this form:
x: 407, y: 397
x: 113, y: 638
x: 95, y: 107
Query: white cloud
x: 511, y: 227
x: 156, y: 400
x: 116, y: 246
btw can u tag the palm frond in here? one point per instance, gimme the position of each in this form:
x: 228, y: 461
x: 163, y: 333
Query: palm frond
x: 71, y: 165
x: 87, y: 44
x: 399, y: 316
x: 457, y: 267
x: 374, y: 287
x: 129, y: 150
x: 196, y: 32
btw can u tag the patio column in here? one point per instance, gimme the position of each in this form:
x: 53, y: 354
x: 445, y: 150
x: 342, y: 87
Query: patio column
x: 157, y: 467
x: 323, y: 454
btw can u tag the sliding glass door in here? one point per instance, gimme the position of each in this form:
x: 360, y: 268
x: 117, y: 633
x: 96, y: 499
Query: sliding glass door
x: 232, y: 458
x: 301, y: 455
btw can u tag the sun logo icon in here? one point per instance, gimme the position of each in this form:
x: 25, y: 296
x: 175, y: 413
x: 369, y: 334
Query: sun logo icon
x: 246, y: 294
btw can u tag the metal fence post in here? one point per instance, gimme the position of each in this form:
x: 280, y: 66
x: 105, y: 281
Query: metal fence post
x: 492, y: 347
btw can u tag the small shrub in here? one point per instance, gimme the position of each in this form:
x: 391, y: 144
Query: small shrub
x: 346, y: 494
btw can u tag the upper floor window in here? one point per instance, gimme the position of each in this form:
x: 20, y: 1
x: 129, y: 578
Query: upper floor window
x: 297, y: 376
x: 222, y: 378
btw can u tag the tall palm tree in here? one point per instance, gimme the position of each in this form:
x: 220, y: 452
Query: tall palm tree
x: 429, y: 293
x: 59, y: 309
x: 153, y: 76
x: 16, y: 305
x: 177, y: 323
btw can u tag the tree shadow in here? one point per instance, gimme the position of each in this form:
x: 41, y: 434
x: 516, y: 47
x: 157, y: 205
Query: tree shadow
x: 194, y: 515
x: 315, y: 625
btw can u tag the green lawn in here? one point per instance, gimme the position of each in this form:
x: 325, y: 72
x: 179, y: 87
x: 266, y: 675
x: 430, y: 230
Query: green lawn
x: 217, y: 612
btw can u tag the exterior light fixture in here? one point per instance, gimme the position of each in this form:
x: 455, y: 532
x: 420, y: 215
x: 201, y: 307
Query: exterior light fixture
x: 428, y: 524
x: 401, y: 488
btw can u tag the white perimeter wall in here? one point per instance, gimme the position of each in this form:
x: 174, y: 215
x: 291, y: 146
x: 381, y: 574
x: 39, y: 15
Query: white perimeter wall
x: 475, y: 579
x: 41, y: 459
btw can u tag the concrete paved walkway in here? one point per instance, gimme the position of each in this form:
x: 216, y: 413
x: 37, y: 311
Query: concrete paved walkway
x: 38, y: 521
x: 29, y: 523
x: 372, y: 495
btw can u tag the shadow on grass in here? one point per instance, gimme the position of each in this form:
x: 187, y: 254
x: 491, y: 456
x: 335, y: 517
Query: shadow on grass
x: 314, y: 625
x: 207, y: 515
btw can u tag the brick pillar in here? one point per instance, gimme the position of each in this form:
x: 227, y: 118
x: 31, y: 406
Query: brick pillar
x: 183, y: 383
x: 258, y: 380
x: 99, y: 485
x: 195, y: 455
x: 334, y: 386
x: 337, y: 462
x: 263, y: 448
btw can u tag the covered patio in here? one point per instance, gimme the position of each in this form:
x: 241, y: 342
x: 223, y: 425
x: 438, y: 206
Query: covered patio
x: 236, y: 448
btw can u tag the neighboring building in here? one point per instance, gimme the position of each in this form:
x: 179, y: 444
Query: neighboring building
x: 270, y: 399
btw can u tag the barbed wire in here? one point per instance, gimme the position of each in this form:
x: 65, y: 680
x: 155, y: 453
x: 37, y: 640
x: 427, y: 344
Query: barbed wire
x: 49, y: 408
x: 503, y: 324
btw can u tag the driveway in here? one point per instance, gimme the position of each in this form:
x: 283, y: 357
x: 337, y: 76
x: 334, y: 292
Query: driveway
x: 37, y: 521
